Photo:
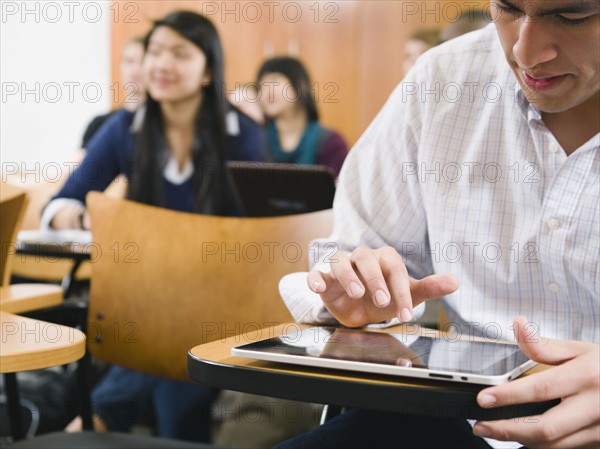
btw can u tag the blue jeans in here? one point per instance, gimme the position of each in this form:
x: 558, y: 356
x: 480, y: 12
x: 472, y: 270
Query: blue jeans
x: 182, y: 410
x: 366, y: 428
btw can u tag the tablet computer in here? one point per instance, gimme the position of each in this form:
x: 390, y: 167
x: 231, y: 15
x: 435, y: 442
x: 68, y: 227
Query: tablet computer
x: 264, y: 189
x: 457, y: 360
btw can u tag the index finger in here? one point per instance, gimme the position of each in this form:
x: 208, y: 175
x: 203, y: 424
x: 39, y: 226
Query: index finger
x: 398, y: 281
x: 344, y: 272
x: 368, y: 266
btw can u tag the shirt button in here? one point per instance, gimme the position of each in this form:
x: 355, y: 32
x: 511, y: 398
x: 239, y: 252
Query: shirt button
x: 554, y: 223
x: 553, y: 287
x: 553, y: 148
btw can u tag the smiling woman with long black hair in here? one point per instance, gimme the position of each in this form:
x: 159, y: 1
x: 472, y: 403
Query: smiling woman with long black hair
x: 172, y: 151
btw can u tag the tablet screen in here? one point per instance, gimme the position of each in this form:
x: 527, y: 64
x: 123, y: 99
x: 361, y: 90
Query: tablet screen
x: 400, y: 350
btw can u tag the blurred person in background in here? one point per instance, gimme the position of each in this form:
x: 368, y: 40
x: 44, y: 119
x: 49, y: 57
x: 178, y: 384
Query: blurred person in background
x: 294, y: 134
x: 132, y: 57
x: 418, y: 43
x: 467, y: 22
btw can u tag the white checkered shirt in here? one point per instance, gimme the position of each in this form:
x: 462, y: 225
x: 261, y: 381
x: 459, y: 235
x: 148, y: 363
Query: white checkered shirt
x: 460, y: 175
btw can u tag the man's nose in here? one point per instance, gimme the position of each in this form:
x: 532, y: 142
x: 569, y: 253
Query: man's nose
x: 535, y: 45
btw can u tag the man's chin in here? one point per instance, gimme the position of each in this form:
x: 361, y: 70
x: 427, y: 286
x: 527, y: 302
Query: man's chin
x: 547, y: 105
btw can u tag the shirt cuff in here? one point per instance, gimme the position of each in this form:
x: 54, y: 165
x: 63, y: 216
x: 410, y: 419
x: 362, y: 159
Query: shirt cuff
x: 54, y: 206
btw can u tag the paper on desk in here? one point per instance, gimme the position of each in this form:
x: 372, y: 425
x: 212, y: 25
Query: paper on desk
x: 62, y: 237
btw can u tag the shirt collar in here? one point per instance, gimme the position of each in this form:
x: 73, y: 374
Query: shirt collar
x: 529, y: 111
x: 534, y: 117
x: 171, y: 168
x: 172, y: 174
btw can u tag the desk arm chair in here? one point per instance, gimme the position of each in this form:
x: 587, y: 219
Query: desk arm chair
x: 167, y: 281
x: 25, y: 267
x: 17, y: 298
x: 21, y: 297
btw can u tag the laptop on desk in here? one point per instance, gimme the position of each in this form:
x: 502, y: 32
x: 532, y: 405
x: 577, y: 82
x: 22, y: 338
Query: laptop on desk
x: 265, y: 189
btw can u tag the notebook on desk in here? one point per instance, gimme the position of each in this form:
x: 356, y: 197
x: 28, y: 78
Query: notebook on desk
x: 54, y: 237
x: 271, y: 189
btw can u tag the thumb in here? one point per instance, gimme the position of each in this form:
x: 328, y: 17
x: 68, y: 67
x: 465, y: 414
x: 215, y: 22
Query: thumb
x: 432, y: 287
x: 544, y: 350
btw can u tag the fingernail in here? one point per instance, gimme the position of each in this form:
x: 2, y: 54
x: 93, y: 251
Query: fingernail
x: 482, y: 431
x: 405, y: 315
x: 355, y: 289
x: 487, y: 400
x: 316, y: 285
x: 404, y: 363
x: 381, y: 298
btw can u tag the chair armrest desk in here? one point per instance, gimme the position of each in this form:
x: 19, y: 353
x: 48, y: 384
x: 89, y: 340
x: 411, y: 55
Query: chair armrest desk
x: 212, y: 364
x: 29, y: 344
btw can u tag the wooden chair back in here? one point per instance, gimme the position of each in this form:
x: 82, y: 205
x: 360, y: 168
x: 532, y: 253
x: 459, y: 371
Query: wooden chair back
x: 13, y: 202
x: 165, y: 281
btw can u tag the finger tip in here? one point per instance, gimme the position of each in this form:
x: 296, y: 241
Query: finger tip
x: 453, y: 281
x: 317, y: 286
x: 405, y: 315
x: 521, y: 320
x: 485, y: 399
x: 449, y: 282
x: 481, y: 430
x: 381, y: 299
x: 522, y: 331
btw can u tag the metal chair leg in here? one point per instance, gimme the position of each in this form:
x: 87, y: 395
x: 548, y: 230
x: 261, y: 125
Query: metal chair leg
x: 14, y: 406
x: 330, y: 412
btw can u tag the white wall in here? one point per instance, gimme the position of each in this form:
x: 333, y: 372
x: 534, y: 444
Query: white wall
x: 55, y: 77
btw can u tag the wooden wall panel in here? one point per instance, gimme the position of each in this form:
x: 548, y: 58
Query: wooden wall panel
x: 384, y: 27
x: 353, y: 49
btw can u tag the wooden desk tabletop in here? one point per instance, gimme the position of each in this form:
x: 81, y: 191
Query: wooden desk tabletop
x: 20, y: 298
x: 213, y: 365
x: 29, y: 344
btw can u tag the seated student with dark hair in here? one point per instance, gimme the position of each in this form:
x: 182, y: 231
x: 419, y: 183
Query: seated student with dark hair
x: 294, y: 134
x: 172, y: 151
x: 130, y: 65
x: 498, y: 192
x: 185, y: 127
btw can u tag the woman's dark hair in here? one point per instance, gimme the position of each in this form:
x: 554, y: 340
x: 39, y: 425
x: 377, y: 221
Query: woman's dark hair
x: 293, y: 70
x: 209, y: 150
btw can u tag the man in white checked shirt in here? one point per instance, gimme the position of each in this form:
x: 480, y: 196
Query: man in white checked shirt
x: 482, y: 170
